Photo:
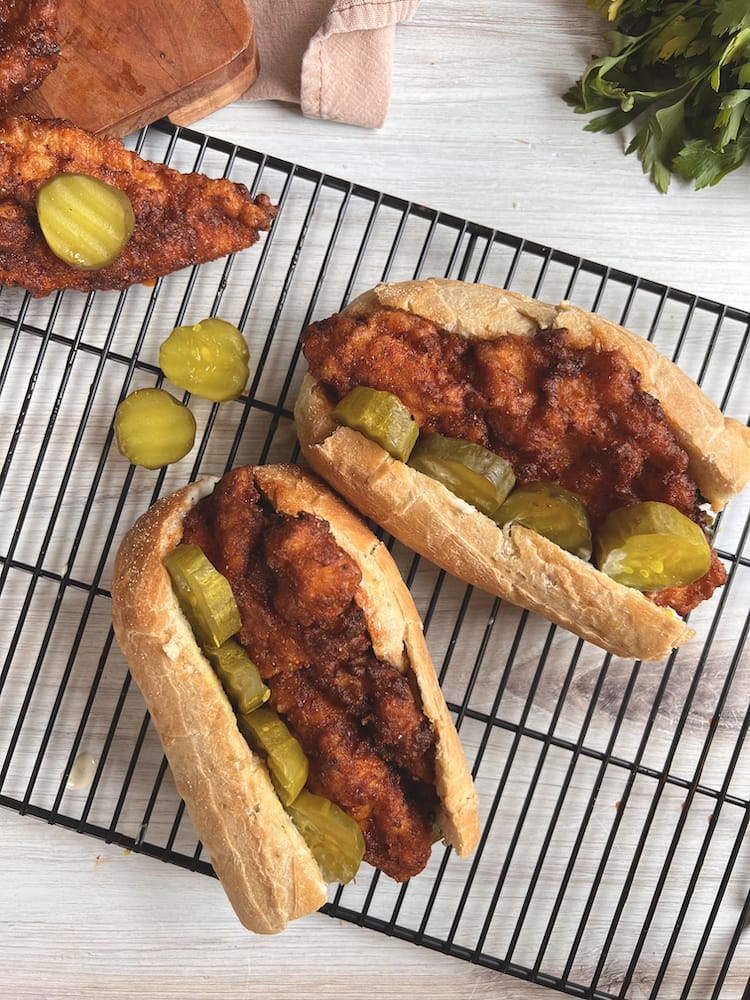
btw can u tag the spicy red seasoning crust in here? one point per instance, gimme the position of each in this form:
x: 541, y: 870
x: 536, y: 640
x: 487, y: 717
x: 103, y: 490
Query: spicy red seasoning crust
x: 557, y: 413
x: 369, y: 746
x: 182, y: 219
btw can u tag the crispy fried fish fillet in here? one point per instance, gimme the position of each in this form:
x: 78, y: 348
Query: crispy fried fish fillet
x: 181, y: 219
x: 28, y: 46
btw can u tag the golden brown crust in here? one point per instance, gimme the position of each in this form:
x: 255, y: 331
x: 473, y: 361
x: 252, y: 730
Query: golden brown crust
x: 468, y: 310
x: 264, y: 865
x: 515, y: 564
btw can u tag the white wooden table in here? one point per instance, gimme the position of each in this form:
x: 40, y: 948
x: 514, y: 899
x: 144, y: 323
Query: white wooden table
x: 476, y: 128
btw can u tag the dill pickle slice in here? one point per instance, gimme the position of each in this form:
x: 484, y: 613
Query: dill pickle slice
x: 286, y: 760
x: 334, y: 838
x: 204, y: 595
x: 381, y: 417
x: 239, y: 676
x: 477, y: 475
x: 208, y: 359
x: 153, y: 429
x: 85, y: 221
x: 552, y: 511
x: 651, y: 546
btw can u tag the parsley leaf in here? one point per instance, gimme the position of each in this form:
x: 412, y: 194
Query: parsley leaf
x: 659, y: 141
x: 678, y: 73
x: 731, y: 15
x: 700, y: 162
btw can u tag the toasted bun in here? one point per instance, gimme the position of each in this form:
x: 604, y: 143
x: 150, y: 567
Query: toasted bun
x: 267, y: 870
x: 514, y: 563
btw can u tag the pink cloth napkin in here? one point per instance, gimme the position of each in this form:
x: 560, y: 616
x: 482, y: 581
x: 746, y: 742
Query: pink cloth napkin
x: 332, y: 57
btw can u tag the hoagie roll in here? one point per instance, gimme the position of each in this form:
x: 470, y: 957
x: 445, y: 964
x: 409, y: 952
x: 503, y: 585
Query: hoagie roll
x: 327, y: 620
x: 575, y: 405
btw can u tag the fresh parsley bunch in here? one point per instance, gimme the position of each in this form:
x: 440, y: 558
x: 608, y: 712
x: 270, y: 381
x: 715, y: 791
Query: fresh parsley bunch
x: 681, y: 72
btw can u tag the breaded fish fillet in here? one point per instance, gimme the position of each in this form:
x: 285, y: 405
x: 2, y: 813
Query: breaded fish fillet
x: 181, y: 219
x: 28, y: 46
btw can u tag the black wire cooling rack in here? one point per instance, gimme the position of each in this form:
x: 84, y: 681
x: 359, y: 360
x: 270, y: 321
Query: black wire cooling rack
x: 615, y: 795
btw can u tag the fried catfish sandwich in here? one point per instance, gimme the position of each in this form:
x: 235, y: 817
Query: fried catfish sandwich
x: 175, y: 219
x: 308, y: 731
x: 539, y: 452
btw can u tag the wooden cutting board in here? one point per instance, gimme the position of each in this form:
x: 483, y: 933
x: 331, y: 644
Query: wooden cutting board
x: 125, y: 64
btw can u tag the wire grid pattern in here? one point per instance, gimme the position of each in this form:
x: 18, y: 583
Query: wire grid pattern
x: 615, y: 796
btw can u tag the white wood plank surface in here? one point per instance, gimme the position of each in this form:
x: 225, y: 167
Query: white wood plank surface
x: 478, y: 129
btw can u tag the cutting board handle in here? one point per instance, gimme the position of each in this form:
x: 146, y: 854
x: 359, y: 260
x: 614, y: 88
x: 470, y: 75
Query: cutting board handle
x: 240, y: 76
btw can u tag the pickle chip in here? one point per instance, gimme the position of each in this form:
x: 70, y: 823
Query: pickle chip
x: 208, y: 359
x: 267, y: 733
x: 204, y: 595
x: 334, y: 838
x: 381, y: 417
x: 552, y: 511
x: 153, y: 429
x: 85, y: 221
x: 652, y: 546
x: 473, y: 473
x: 239, y: 676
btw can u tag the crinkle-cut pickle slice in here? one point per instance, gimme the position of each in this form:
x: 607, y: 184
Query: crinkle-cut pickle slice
x: 651, y: 546
x: 334, y: 838
x: 473, y: 473
x: 381, y: 417
x: 208, y: 359
x: 204, y: 595
x: 552, y: 511
x: 153, y: 429
x: 85, y: 221
x: 267, y: 733
x: 238, y: 674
